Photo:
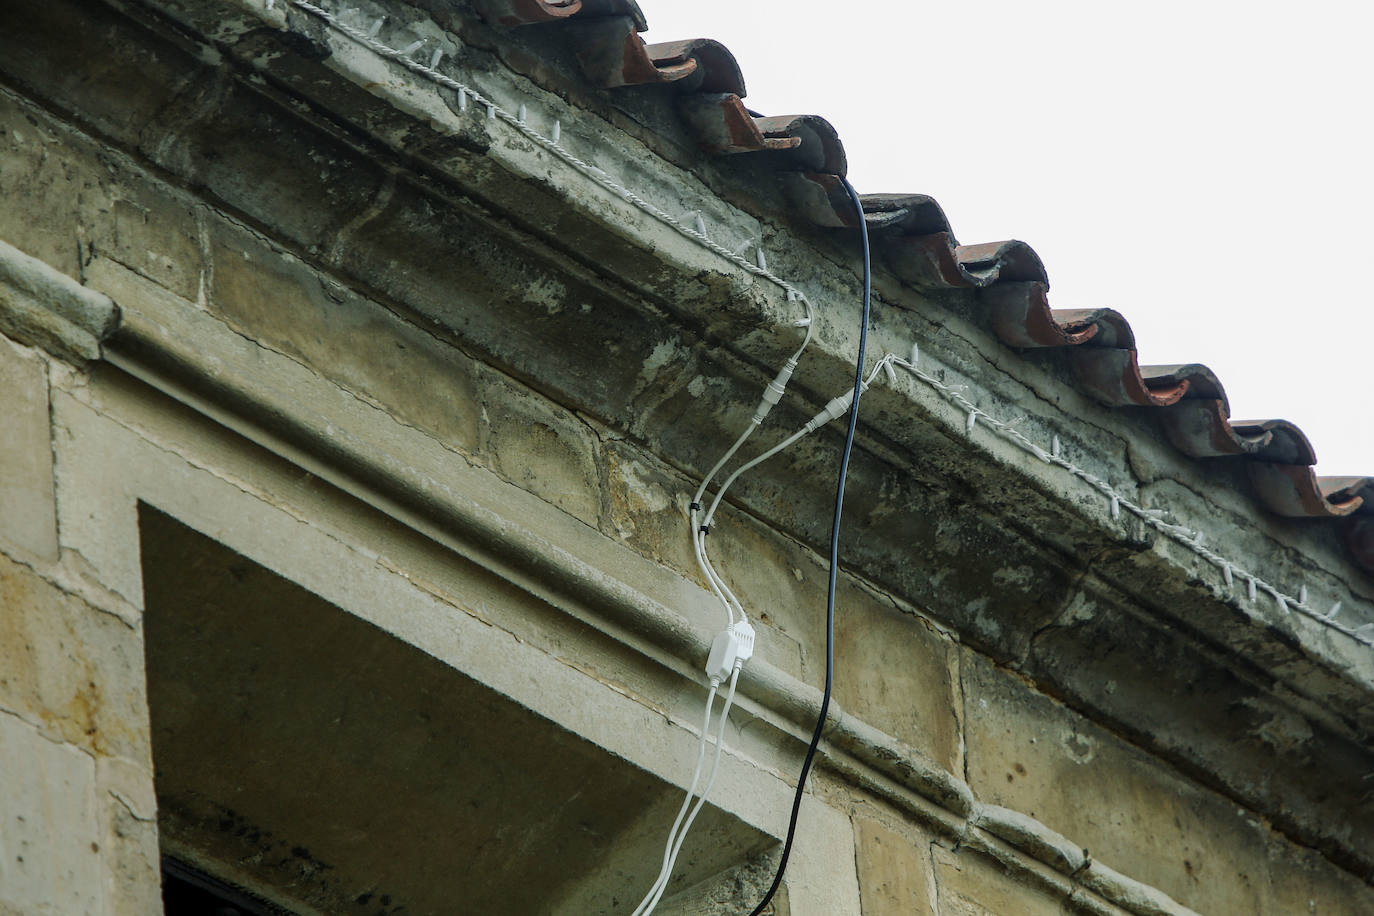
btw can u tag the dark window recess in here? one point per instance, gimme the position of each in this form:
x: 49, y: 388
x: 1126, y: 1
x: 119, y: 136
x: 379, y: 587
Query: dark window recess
x: 187, y: 891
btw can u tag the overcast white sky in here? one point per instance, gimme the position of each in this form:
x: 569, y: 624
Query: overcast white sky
x: 1203, y: 167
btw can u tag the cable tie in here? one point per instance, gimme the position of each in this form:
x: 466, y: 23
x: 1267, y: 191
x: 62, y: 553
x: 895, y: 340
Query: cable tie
x: 376, y: 28
x: 1250, y: 588
x: 557, y: 131
x: 1227, y: 575
x: 434, y: 58
x: 1335, y: 609
x: 412, y: 47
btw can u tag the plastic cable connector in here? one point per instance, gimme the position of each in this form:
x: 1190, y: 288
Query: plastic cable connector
x: 835, y: 409
x: 730, y: 649
x: 743, y: 642
x: 720, y: 662
x: 775, y: 390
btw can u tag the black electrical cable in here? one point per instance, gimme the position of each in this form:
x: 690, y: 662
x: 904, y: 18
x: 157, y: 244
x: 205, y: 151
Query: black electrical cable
x: 834, y: 560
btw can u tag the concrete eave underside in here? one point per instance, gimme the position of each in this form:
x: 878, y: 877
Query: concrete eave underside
x: 398, y: 195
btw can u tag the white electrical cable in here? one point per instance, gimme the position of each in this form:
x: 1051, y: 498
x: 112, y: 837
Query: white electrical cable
x: 666, y: 867
x: 834, y: 409
x: 772, y: 395
x: 656, y: 892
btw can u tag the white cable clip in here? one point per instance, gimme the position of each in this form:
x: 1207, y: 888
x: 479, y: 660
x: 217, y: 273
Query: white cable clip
x: 972, y: 421
x: 434, y: 58
x: 759, y: 259
x: 521, y: 113
x: 412, y: 47
x: 462, y: 100
x: 557, y: 132
x: 915, y: 355
x: 1056, y: 446
x: 1116, y: 507
x: 1302, y: 595
x: 1335, y: 609
x: 1227, y: 575
x: 271, y: 3
x: 376, y: 28
x: 802, y: 323
x: 1250, y: 588
x: 791, y: 295
x: 699, y: 223
x: 889, y: 371
x: 491, y: 111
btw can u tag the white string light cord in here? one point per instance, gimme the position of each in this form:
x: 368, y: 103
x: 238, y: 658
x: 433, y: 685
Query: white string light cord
x: 676, y: 836
x: 466, y: 94
x: 1116, y: 502
x: 696, y: 232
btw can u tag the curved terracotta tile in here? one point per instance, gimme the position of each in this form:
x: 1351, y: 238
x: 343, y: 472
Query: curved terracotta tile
x: 630, y: 8
x: 1342, y: 489
x: 903, y: 214
x: 993, y: 262
x: 819, y: 149
x: 1202, y: 381
x: 526, y: 12
x: 716, y: 68
x: 1287, y: 445
x: 821, y: 198
x: 724, y: 125
x: 1021, y: 317
x: 1113, y: 377
x: 1198, y: 427
x: 1293, y: 490
x: 611, y: 54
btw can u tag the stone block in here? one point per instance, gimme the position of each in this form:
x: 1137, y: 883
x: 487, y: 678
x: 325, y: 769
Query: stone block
x: 127, y: 809
x: 73, y: 671
x: 274, y: 298
x: 541, y: 447
x: 28, y: 512
x: 968, y: 884
x: 49, y: 835
x: 895, y: 876
x: 647, y: 508
x: 898, y: 673
x: 152, y: 230
x: 1131, y: 811
x: 42, y: 193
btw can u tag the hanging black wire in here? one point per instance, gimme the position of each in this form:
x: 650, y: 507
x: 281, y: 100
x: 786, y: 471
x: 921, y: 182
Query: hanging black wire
x: 834, y: 561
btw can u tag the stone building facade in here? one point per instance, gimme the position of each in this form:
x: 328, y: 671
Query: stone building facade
x: 359, y: 364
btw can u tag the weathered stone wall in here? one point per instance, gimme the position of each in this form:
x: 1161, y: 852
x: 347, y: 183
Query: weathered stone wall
x: 369, y: 389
